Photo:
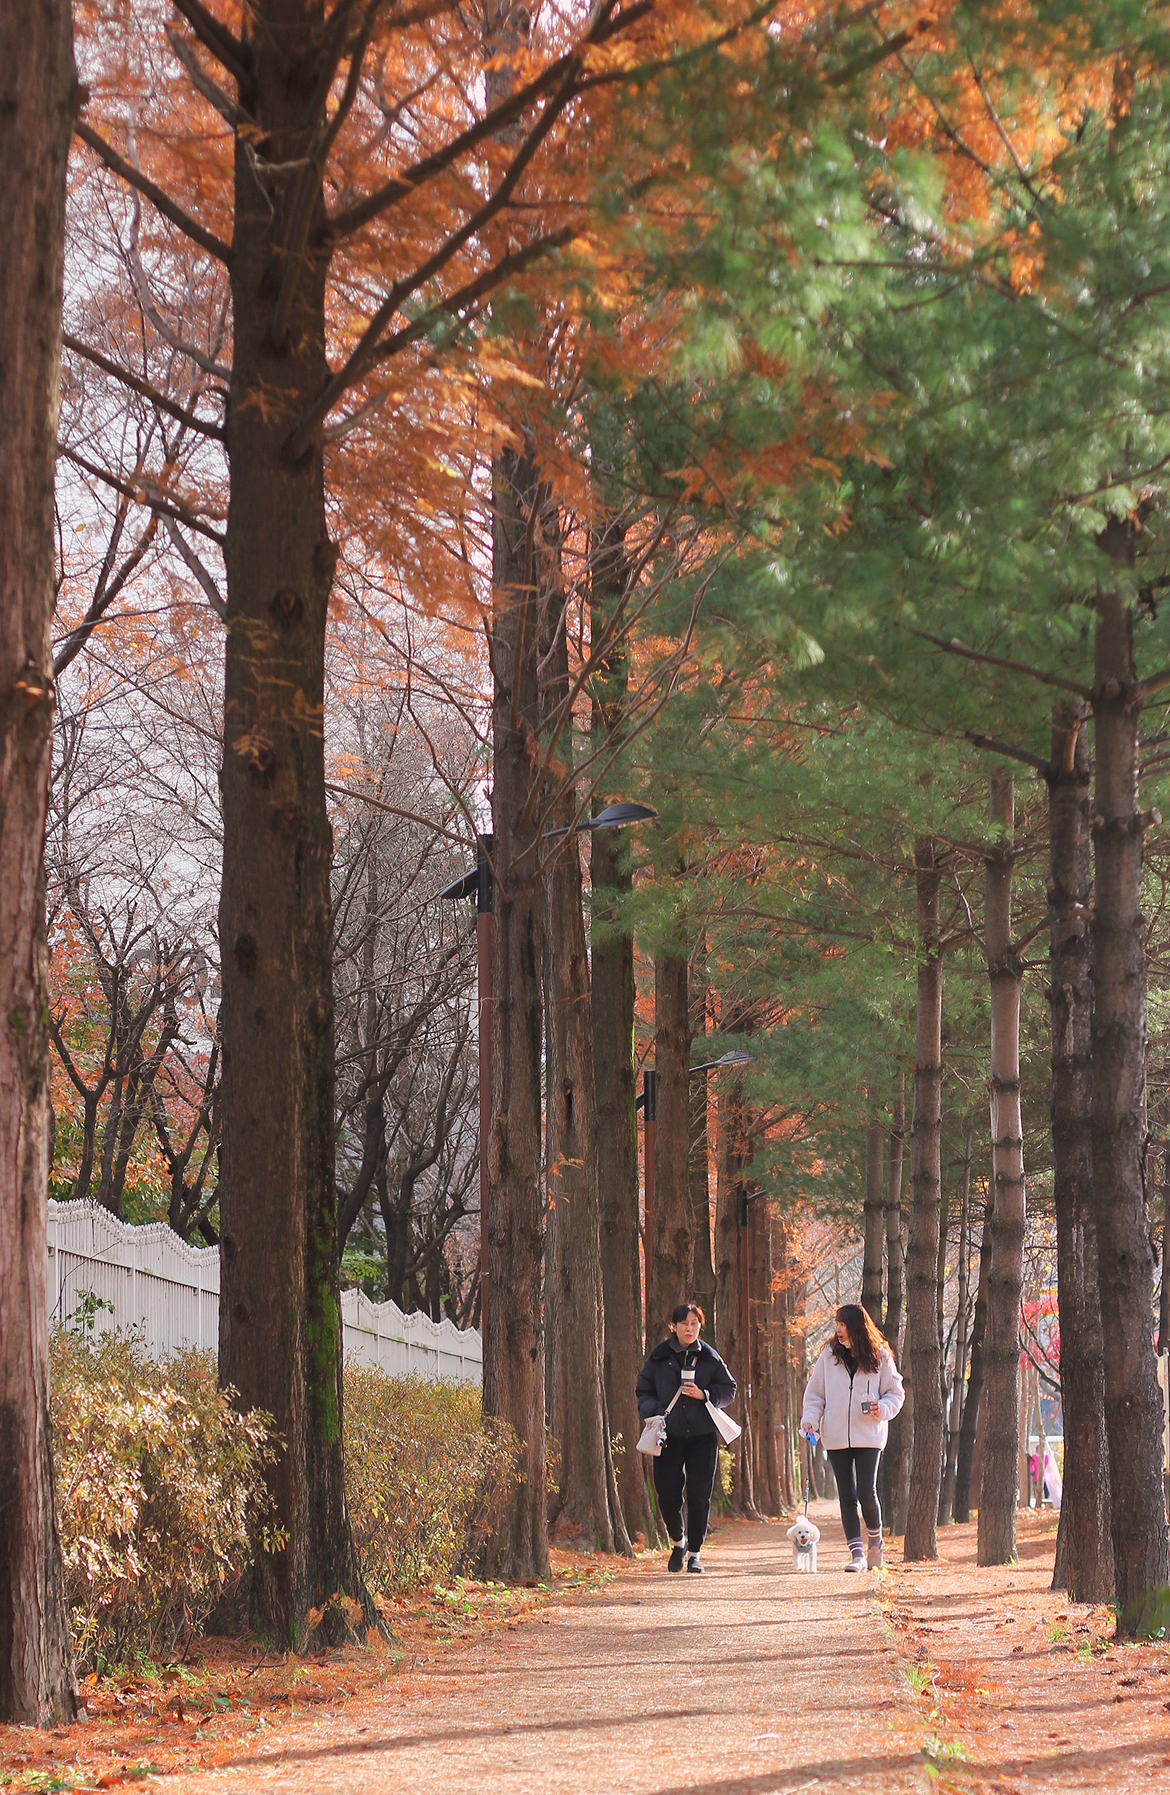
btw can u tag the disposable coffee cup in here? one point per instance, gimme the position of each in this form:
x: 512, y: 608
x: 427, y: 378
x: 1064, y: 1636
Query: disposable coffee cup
x: 688, y: 1377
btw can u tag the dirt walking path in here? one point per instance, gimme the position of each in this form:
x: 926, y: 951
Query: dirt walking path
x: 747, y: 1680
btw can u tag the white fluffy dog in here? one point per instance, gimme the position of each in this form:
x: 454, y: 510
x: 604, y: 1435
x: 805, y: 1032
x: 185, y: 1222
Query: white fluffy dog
x: 804, y: 1536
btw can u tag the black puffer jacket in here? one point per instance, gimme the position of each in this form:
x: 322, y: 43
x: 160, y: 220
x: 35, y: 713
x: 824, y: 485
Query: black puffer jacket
x: 661, y: 1377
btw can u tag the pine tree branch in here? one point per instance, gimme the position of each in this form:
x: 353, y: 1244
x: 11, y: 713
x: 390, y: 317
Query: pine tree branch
x: 954, y: 646
x: 1145, y: 688
x: 1027, y: 759
x: 118, y: 165
x: 144, y: 388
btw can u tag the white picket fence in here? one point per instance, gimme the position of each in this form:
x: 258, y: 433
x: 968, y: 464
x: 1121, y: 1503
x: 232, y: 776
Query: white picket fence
x: 148, y: 1280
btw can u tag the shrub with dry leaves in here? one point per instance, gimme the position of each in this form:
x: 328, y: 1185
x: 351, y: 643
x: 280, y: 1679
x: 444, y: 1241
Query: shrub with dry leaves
x: 425, y: 1472
x: 161, y: 1494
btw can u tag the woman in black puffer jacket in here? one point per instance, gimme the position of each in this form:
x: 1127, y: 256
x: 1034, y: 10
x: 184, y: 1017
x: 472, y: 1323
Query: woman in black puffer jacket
x: 682, y: 1376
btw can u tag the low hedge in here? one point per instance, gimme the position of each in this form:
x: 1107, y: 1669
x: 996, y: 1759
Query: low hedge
x: 160, y: 1494
x: 425, y: 1473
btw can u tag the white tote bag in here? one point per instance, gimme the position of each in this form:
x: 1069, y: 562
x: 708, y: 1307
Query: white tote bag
x: 729, y: 1430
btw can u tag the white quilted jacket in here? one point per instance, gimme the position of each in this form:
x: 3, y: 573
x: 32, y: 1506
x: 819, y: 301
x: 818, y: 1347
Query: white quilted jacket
x: 833, y: 1399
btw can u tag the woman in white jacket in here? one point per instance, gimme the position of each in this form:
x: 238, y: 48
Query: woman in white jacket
x: 852, y: 1396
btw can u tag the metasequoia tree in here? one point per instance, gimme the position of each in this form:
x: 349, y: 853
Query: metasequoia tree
x: 612, y: 1003
x: 38, y: 96
x: 357, y: 202
x: 1001, y: 1349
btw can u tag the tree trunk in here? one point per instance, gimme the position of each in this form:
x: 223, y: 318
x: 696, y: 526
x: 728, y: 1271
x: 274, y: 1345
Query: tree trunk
x: 702, y: 1280
x: 38, y: 97
x: 896, y: 1457
x: 965, y: 1481
x: 730, y: 1220
x: 927, y: 1444
x: 1084, y: 1547
x: 578, y: 1397
x: 612, y: 883
x: 1133, y: 1400
x: 763, y: 1309
x: 962, y: 1316
x: 875, y: 1221
x: 280, y: 1324
x: 1001, y: 1351
x: 895, y: 1256
x: 617, y: 1170
x: 514, y: 1347
x: 671, y: 1258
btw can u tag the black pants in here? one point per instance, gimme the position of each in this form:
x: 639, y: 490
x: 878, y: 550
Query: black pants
x: 855, y: 1468
x: 688, y: 1464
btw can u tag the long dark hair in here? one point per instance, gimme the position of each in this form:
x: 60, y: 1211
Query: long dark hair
x: 865, y: 1340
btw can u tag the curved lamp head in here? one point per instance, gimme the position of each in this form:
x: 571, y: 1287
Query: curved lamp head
x: 614, y: 816
x: 737, y: 1057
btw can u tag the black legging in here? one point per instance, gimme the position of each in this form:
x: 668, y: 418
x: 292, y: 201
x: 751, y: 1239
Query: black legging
x: 855, y: 1468
x: 690, y: 1461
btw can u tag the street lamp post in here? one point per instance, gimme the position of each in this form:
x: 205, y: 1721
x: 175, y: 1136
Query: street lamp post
x: 479, y: 883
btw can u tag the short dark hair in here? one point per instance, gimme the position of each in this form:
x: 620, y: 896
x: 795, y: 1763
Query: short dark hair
x: 682, y: 1310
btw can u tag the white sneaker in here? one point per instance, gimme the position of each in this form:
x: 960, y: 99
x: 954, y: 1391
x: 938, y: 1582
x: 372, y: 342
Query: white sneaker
x: 857, y: 1562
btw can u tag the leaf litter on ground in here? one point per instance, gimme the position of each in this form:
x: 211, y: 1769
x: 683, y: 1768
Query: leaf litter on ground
x: 152, y: 1720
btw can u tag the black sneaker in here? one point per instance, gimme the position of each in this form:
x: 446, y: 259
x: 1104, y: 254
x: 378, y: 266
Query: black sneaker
x: 693, y: 1564
x: 675, y: 1561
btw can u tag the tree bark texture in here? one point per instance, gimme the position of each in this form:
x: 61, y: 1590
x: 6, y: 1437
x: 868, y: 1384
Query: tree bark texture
x: 767, y: 1467
x: 514, y: 1348
x: 1001, y: 1352
x: 1133, y: 1400
x: 1084, y: 1550
x: 612, y: 970
x: 702, y: 1279
x: 875, y: 1221
x: 670, y: 1269
x: 730, y: 1297
x: 895, y: 1258
x: 966, y: 1482
x: 577, y: 1393
x: 925, y: 1368
x: 892, y: 1472
x: 280, y: 1322
x: 38, y: 97
x: 617, y: 1170
x: 962, y: 1318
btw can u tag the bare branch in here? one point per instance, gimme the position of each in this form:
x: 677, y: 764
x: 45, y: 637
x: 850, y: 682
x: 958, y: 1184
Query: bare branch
x: 227, y: 49
x: 144, y: 388
x: 456, y: 304
x: 107, y: 591
x: 142, y: 494
x: 191, y: 560
x: 118, y: 165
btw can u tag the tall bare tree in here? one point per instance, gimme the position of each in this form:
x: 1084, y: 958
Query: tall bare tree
x: 38, y: 95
